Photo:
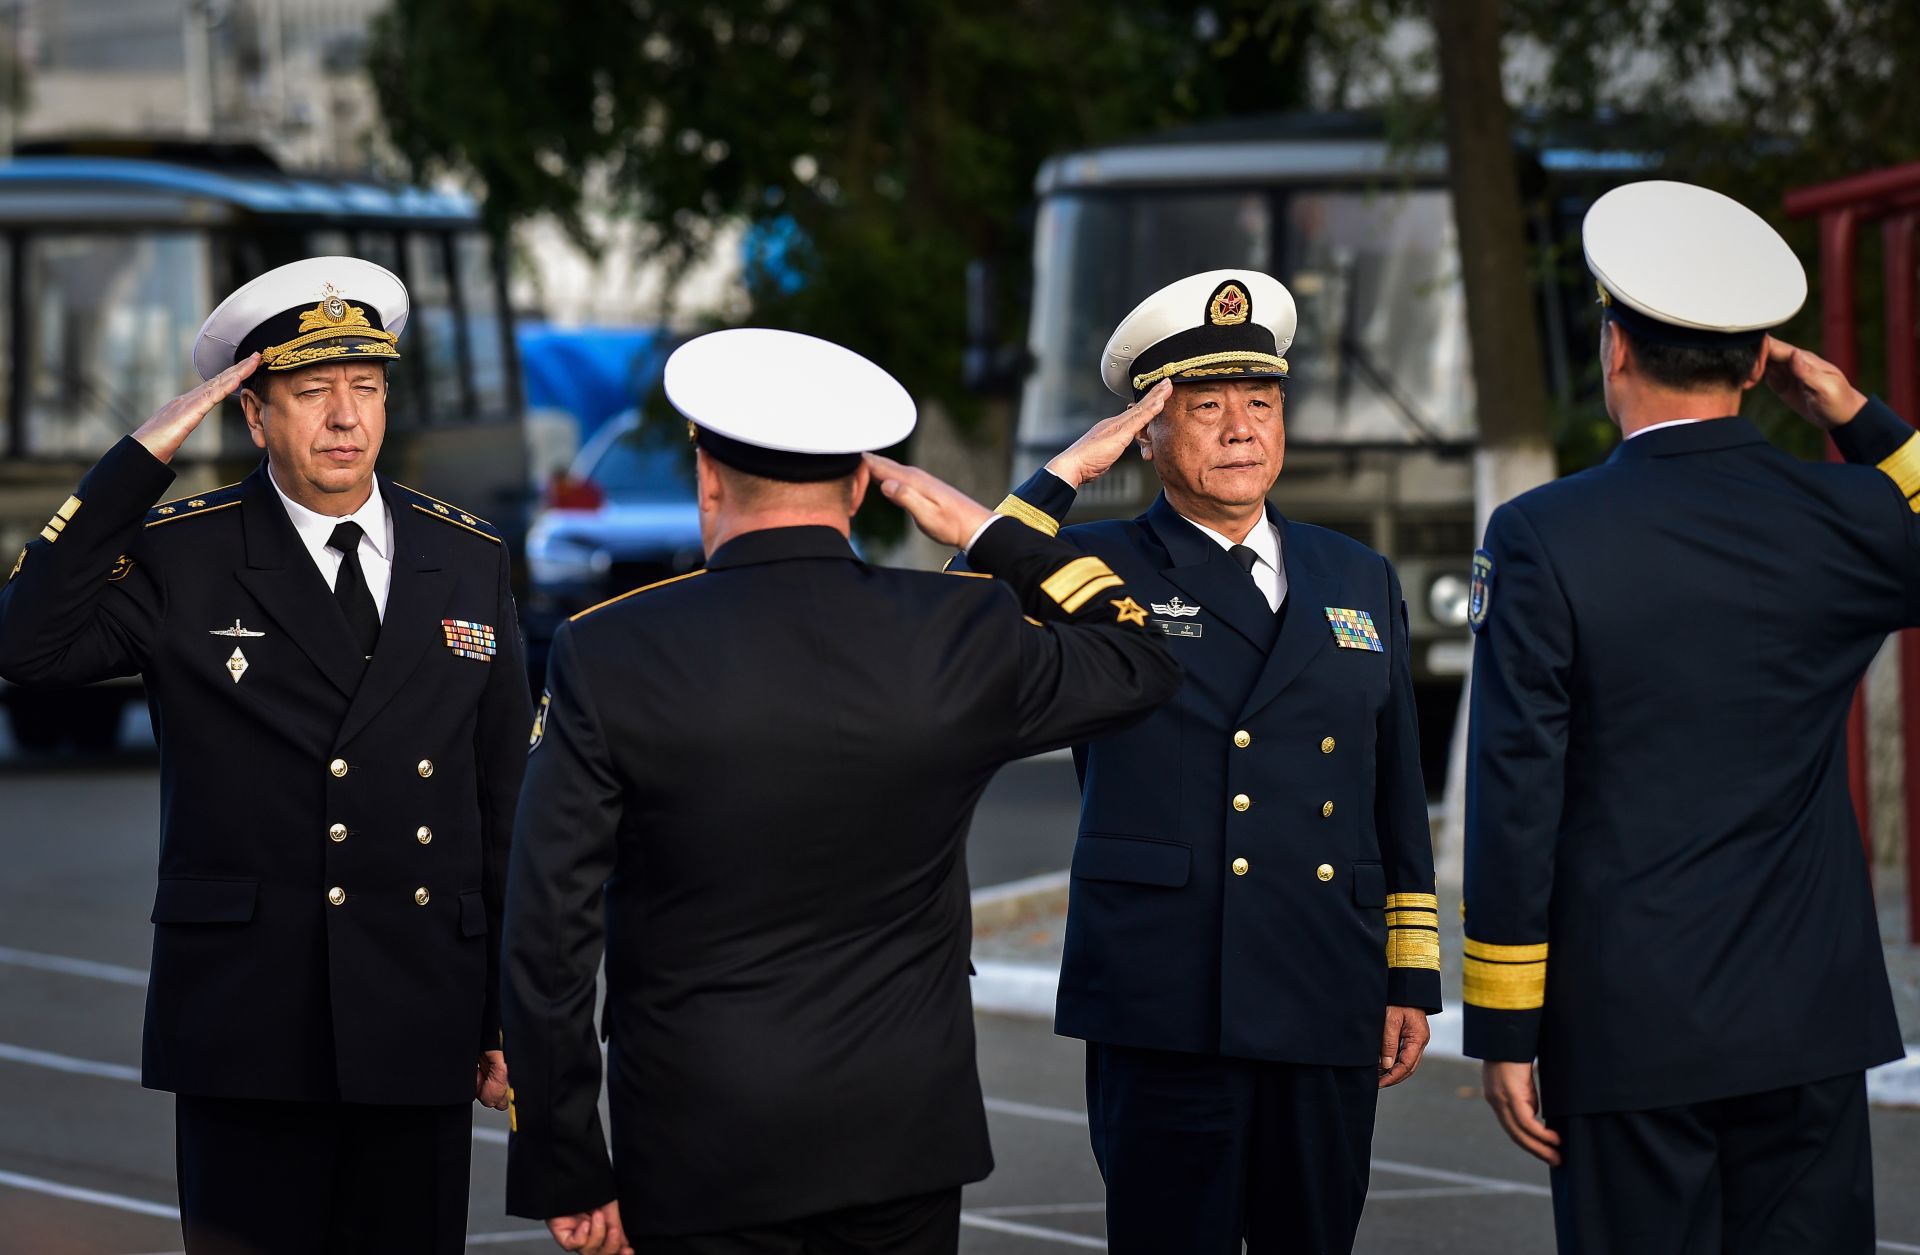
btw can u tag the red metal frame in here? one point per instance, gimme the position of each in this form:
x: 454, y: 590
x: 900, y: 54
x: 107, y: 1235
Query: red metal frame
x: 1890, y: 197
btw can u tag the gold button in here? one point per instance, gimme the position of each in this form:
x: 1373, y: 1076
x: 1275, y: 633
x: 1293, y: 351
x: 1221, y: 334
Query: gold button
x: 425, y: 768
x: 1326, y: 811
x: 338, y: 767
x: 1326, y: 745
x: 1242, y: 738
x: 1239, y: 867
x: 338, y: 832
x: 1324, y: 871
x: 424, y: 835
x: 336, y: 895
x: 1241, y: 801
x: 421, y: 896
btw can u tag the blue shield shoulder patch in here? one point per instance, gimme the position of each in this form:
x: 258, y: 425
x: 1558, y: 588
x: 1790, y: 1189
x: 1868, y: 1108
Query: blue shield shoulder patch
x: 1480, y: 600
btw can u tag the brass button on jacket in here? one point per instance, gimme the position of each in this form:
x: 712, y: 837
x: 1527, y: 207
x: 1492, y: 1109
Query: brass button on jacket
x: 1239, y: 867
x: 1241, y: 801
x: 421, y: 897
x: 338, y: 767
x: 338, y: 832
x: 423, y: 834
x: 336, y: 895
x: 1326, y: 811
x: 1326, y: 745
x: 425, y: 768
x: 1324, y: 871
x: 1243, y: 738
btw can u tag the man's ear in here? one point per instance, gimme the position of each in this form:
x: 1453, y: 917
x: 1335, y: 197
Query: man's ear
x: 255, y: 409
x: 710, y: 487
x: 1616, y: 352
x: 862, y: 477
x: 1143, y: 439
x: 1759, y: 363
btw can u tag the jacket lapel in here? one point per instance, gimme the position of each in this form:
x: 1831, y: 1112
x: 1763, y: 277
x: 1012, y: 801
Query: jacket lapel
x: 416, y: 596
x: 1209, y: 577
x: 1304, y: 632
x: 281, y: 576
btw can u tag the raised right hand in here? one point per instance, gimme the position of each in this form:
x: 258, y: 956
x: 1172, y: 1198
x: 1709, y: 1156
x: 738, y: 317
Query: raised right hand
x: 1094, y: 454
x: 167, y: 430
x: 1812, y: 387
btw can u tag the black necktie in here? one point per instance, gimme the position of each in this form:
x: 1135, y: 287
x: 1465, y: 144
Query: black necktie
x: 350, y: 589
x: 1245, y: 556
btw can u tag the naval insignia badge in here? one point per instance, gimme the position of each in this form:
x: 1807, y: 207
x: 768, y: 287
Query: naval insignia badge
x: 1175, y: 609
x: 1480, y: 599
x: 540, y: 723
x: 236, y: 664
x: 1353, y: 629
x: 470, y: 640
x: 122, y: 567
x: 235, y: 630
x: 1130, y: 611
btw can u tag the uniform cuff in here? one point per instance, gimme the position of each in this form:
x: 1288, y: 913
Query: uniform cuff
x: 1500, y: 1036
x: 980, y: 531
x: 1415, y: 987
x: 1873, y: 435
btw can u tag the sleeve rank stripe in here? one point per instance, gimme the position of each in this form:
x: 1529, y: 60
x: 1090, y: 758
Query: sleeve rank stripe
x: 633, y: 592
x: 49, y: 535
x: 1413, y: 919
x: 1064, y: 582
x: 1506, y: 954
x: 1413, y: 948
x: 435, y: 514
x: 1089, y: 591
x: 1903, y: 465
x: 68, y: 508
x: 1504, y: 986
x: 1414, y: 901
x: 1039, y: 520
x: 196, y: 514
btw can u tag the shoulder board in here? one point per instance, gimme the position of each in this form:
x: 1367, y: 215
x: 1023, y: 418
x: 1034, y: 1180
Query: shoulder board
x: 194, y: 506
x: 575, y: 618
x: 972, y: 575
x: 434, y: 508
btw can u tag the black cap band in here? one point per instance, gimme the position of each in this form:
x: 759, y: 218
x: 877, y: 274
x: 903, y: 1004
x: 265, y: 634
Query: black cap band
x: 1645, y: 327
x: 794, y: 468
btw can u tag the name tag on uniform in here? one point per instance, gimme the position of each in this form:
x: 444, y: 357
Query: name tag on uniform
x: 469, y: 640
x: 1175, y: 629
x: 1353, y: 629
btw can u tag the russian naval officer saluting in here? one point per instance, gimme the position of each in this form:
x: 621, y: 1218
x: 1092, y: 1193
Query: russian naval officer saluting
x: 752, y: 787
x: 1666, y: 899
x: 335, y: 675
x: 1252, y: 942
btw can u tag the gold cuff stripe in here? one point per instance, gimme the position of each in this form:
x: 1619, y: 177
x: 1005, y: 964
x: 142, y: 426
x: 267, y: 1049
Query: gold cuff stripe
x: 1903, y: 465
x: 1072, y: 604
x: 1414, y: 901
x: 196, y: 514
x: 1504, y: 986
x: 1033, y: 516
x: 1242, y: 356
x: 1413, y: 919
x: 1506, y: 954
x: 575, y: 618
x: 1413, y: 947
x: 1064, y: 582
x: 49, y: 535
x: 57, y: 523
x: 68, y: 509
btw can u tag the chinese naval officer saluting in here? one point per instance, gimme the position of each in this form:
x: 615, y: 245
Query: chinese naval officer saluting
x: 1667, y: 904
x: 750, y: 786
x: 1252, y: 944
x: 337, y: 689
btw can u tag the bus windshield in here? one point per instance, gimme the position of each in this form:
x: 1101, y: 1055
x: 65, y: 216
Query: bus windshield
x: 1380, y: 353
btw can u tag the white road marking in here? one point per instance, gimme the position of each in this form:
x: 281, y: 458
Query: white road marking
x: 503, y: 1239
x: 67, y: 1063
x: 973, y: 1220
x: 1499, y: 1185
x: 99, y: 1198
x: 1033, y: 1111
x: 111, y: 972
x: 1041, y: 1209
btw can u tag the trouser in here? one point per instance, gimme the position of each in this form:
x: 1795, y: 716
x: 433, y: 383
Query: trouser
x: 1786, y: 1172
x: 925, y: 1225
x: 321, y: 1178
x: 1201, y: 1152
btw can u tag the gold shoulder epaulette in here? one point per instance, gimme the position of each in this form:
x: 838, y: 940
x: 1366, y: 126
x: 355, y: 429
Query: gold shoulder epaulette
x: 575, y: 618
x: 434, y: 508
x: 195, y: 506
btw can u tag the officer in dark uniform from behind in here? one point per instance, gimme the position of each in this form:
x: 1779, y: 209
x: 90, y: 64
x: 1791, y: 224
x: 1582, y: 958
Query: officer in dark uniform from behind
x: 335, y: 677
x: 1666, y: 898
x: 1252, y: 939
x: 751, y: 786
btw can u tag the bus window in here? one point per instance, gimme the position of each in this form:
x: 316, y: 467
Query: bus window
x: 110, y: 321
x: 480, y: 298
x: 433, y: 326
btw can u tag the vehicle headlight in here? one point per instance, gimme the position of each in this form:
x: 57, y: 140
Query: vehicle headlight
x: 564, y: 560
x: 1447, y: 599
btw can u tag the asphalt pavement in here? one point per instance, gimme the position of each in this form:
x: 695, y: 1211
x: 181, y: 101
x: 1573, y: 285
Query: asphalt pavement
x: 86, y: 1155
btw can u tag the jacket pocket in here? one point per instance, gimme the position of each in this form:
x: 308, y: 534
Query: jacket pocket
x: 473, y: 914
x: 204, y: 901
x: 1369, y: 884
x: 1132, y: 860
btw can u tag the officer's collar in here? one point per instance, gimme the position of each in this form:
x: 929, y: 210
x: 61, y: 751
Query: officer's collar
x: 781, y: 544
x: 1186, y: 544
x: 1702, y: 437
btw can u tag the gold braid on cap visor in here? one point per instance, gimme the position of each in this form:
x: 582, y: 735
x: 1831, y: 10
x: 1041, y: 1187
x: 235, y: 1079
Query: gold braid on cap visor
x: 332, y: 319
x: 1199, y: 366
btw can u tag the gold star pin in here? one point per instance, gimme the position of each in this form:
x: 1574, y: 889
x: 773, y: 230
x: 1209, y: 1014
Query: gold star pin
x: 1131, y: 611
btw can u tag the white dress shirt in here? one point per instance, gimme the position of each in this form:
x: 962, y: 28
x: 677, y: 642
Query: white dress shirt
x: 1268, y: 573
x: 376, y: 541
x: 1672, y: 422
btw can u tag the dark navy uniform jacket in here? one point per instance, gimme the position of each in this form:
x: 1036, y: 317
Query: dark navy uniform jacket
x: 1253, y: 875
x: 752, y: 786
x: 290, y: 779
x: 1666, y: 897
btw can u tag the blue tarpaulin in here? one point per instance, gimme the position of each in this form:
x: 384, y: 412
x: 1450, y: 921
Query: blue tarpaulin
x: 592, y: 373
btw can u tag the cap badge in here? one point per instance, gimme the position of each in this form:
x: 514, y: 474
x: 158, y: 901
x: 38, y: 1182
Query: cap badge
x: 333, y: 312
x: 1229, y: 307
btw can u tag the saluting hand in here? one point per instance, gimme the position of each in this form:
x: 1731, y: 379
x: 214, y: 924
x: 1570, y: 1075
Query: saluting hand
x: 1812, y: 387
x: 1094, y: 454
x: 597, y: 1232
x: 167, y: 430
x: 1516, y: 1104
x: 947, y: 515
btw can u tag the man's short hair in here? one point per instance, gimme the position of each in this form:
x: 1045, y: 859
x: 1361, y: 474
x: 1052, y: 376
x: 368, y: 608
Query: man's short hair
x: 759, y: 491
x: 1694, y: 368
